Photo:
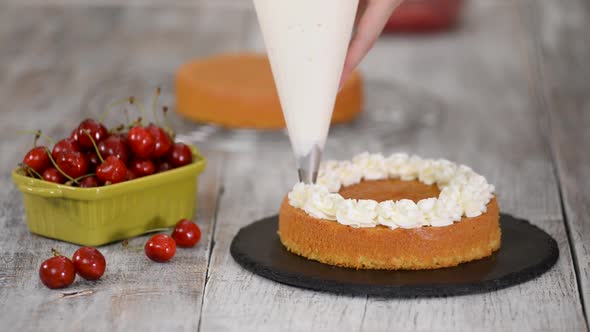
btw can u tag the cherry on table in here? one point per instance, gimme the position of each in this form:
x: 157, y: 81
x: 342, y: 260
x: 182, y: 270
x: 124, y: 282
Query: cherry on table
x: 142, y: 167
x: 53, y: 175
x: 111, y: 171
x: 57, y: 272
x: 73, y: 163
x: 114, y: 145
x: 163, y: 142
x: 37, y: 159
x: 89, y: 263
x: 160, y: 248
x: 186, y: 233
x: 97, y: 131
x: 141, y: 142
x: 180, y: 155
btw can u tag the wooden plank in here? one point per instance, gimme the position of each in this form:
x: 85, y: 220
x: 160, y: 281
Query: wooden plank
x: 75, y: 61
x: 560, y: 51
x: 136, y: 3
x: 238, y: 300
x: 489, y: 121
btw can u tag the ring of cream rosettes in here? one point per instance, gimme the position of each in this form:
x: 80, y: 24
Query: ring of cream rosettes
x: 463, y: 192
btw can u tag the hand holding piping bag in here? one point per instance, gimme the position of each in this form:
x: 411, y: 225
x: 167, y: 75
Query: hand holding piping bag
x: 372, y: 16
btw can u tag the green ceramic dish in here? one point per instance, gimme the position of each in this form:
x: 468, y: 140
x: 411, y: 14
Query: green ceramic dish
x: 97, y: 216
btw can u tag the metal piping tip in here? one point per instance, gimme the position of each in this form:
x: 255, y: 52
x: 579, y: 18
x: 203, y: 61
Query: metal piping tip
x: 308, y: 165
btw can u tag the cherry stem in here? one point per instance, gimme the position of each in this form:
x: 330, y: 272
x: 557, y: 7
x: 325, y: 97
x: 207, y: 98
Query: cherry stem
x: 55, y: 253
x: 95, y: 146
x: 57, y: 167
x: 155, y: 105
x: 166, y: 122
x: 117, y: 129
x: 132, y: 101
x: 126, y: 111
x: 136, y: 122
x: 84, y: 176
x: 110, y: 108
x: 30, y: 170
x: 37, y: 134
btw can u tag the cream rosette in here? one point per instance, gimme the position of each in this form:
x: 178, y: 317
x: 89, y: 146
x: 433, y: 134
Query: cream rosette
x: 463, y: 192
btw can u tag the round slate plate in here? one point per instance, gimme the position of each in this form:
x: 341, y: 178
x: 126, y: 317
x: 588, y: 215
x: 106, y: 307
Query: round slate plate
x: 526, y: 253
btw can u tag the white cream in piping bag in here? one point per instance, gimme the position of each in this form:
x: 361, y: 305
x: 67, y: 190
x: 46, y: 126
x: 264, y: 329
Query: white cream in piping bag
x: 306, y: 42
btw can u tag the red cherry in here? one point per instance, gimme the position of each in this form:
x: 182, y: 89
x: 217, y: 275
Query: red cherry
x: 142, y: 167
x: 180, y: 155
x: 37, y: 159
x: 74, y: 134
x: 163, y: 166
x: 111, y: 171
x: 186, y: 233
x: 114, y: 145
x: 123, y: 136
x: 131, y: 175
x: 57, y: 272
x: 64, y: 145
x: 53, y: 175
x: 141, y: 142
x: 160, y: 248
x: 73, y: 163
x: 89, y: 263
x: 89, y: 182
x: 93, y: 160
x: 163, y: 140
x: 97, y: 131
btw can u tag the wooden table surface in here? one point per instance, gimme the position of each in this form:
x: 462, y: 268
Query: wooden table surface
x: 512, y: 92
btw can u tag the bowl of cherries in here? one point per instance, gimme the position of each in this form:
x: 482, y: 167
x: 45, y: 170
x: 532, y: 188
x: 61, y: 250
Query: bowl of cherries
x: 424, y: 16
x: 101, y: 185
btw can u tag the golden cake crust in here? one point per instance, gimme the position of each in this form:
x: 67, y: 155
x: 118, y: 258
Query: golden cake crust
x: 383, y: 248
x: 238, y: 91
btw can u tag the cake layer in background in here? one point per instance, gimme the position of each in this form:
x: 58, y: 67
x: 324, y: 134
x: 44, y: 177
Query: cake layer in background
x: 238, y: 91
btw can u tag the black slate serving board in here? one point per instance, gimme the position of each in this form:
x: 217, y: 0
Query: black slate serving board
x: 526, y: 253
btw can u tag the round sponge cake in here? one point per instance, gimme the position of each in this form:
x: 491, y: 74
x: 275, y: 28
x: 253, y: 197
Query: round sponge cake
x: 383, y: 248
x: 238, y: 91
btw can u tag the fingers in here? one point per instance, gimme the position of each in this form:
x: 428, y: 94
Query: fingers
x: 368, y: 29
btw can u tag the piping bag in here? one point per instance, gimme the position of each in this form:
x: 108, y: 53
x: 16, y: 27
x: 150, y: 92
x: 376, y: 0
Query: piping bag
x: 306, y: 42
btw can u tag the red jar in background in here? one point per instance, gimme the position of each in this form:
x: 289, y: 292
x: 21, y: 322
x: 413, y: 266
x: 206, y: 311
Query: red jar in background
x: 418, y: 16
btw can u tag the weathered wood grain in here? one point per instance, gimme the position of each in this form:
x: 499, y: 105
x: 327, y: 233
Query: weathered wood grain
x: 489, y: 121
x: 136, y: 3
x: 514, y: 70
x: 60, y: 65
x: 560, y: 49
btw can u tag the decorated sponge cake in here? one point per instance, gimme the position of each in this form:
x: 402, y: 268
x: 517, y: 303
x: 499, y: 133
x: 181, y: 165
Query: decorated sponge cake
x: 238, y: 91
x: 396, y: 212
